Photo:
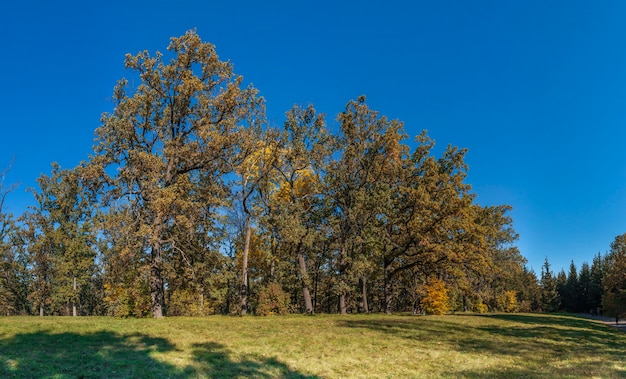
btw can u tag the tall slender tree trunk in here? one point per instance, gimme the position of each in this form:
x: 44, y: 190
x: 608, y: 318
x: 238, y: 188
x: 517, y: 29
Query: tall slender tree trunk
x: 244, y: 266
x: 388, y: 290
x: 157, y: 287
x: 316, y: 284
x: 304, y: 277
x: 343, y: 308
x: 41, y: 313
x: 74, y: 313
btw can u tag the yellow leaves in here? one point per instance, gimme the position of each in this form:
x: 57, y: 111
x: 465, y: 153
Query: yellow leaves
x: 507, y: 301
x: 304, y: 184
x: 436, y: 300
x: 258, y: 161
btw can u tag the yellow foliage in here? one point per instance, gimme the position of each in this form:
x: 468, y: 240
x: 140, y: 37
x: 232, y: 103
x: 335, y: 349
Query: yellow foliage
x: 436, y: 300
x: 252, y: 165
x: 480, y: 307
x: 304, y: 185
x: 507, y: 301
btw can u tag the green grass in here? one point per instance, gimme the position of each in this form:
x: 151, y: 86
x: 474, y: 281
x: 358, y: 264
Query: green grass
x: 355, y: 346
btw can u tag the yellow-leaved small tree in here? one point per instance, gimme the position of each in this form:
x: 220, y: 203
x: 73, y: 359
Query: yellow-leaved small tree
x: 436, y: 300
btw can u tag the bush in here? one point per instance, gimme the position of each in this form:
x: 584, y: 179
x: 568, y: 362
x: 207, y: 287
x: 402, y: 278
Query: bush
x: 436, y: 300
x: 507, y: 301
x: 273, y: 301
x: 480, y: 307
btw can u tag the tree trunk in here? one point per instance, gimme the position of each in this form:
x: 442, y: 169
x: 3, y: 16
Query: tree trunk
x: 244, y: 266
x: 41, y: 310
x: 388, y: 291
x: 343, y: 309
x: 74, y: 313
x: 364, y: 305
x: 304, y: 278
x: 316, y: 283
x: 157, y: 288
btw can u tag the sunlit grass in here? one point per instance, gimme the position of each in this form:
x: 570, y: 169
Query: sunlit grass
x: 327, y: 346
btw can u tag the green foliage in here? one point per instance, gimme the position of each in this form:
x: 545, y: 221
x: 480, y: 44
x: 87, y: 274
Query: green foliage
x: 550, y: 301
x: 614, y: 298
x: 273, y: 301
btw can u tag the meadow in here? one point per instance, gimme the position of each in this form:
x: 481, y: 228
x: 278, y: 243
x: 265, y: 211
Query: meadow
x: 323, y: 346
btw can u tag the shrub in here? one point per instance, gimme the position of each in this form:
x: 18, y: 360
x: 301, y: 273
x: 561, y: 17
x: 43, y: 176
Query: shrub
x: 436, y: 300
x: 507, y: 301
x: 273, y: 301
x: 480, y: 307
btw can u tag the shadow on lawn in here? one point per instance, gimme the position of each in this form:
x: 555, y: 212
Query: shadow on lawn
x: 110, y: 355
x: 214, y: 360
x: 540, y: 343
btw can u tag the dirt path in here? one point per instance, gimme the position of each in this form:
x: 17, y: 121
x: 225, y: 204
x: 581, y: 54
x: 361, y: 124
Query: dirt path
x: 610, y: 321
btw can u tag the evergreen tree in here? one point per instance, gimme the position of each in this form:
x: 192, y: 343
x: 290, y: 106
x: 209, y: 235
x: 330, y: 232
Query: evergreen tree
x: 584, y: 283
x: 596, y: 291
x: 550, y: 301
x: 572, y: 292
x: 614, y: 298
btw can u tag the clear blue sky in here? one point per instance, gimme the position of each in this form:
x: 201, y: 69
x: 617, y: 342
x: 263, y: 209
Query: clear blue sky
x: 535, y: 89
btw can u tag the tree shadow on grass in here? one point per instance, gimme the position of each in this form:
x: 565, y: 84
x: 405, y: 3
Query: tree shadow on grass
x: 214, y: 360
x: 110, y: 355
x: 539, y: 344
x: 71, y: 355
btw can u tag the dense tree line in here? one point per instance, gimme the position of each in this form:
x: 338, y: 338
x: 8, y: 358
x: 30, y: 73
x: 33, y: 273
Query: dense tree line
x: 192, y: 204
x: 599, y: 289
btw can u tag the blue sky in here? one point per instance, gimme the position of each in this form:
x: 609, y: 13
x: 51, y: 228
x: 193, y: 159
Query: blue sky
x: 535, y: 90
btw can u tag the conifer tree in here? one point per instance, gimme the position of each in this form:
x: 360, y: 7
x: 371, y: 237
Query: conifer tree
x: 614, y: 282
x: 550, y: 301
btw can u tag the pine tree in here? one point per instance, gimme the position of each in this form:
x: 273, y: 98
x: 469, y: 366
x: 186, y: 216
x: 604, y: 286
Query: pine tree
x: 614, y: 298
x: 550, y: 301
x: 596, y: 291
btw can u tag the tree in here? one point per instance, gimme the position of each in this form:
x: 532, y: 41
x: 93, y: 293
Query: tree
x: 529, y: 291
x: 61, y: 239
x: 296, y: 209
x: 572, y: 290
x: 167, y: 144
x: 425, y: 218
x: 255, y: 163
x: 436, y: 300
x: 13, y: 265
x: 614, y: 298
x: 584, y: 283
x: 550, y: 301
x: 596, y: 291
x: 369, y: 149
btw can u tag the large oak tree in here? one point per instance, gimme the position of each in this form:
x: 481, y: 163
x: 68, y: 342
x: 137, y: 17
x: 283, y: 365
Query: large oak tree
x: 168, y: 137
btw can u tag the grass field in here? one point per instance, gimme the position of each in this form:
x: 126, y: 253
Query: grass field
x: 355, y: 346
